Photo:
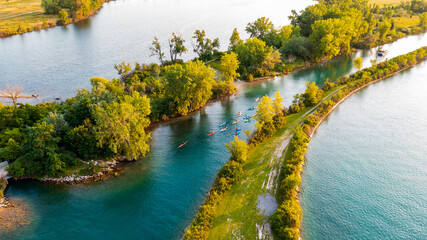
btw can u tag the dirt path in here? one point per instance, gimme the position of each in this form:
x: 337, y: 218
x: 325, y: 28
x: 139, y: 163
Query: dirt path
x: 17, y: 15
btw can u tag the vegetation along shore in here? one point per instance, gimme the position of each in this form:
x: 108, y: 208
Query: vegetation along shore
x: 21, y: 16
x: 231, y: 208
x: 87, y: 134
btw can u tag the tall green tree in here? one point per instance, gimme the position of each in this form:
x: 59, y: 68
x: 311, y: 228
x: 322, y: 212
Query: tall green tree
x: 156, y: 50
x: 278, y: 103
x: 358, y: 63
x: 312, y: 94
x: 228, y: 67
x: 238, y: 149
x: 189, y: 85
x: 120, y: 125
x: 176, y: 46
x: 204, y: 47
x: 234, y: 40
x: 265, y: 111
x: 259, y: 28
x: 252, y: 52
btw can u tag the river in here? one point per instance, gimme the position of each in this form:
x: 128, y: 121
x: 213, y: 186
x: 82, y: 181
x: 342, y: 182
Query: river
x: 157, y: 197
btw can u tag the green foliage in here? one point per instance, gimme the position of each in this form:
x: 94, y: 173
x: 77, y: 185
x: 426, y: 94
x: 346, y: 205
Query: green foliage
x: 234, y: 40
x: 259, y: 28
x: 176, y: 47
x: 423, y: 20
x: 252, y: 54
x: 298, y: 46
x: 123, y: 68
x: 63, y: 18
x: 265, y: 111
x: 358, y: 63
x: 60, y: 126
x: 312, y: 94
x: 51, y: 6
x: 189, y: 85
x: 156, y: 50
x: 82, y: 140
x: 238, y: 149
x: 228, y: 67
x: 120, y: 125
x: 11, y: 150
x: 205, y: 47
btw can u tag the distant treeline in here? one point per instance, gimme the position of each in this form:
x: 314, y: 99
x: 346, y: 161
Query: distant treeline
x: 71, y: 10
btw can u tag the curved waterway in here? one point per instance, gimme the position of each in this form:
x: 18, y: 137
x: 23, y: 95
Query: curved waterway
x: 157, y: 197
x: 366, y: 168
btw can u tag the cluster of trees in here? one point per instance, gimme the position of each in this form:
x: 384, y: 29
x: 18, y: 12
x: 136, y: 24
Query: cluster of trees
x: 226, y: 177
x: 49, y: 138
x: 178, y: 88
x: 71, y: 9
x: 286, y: 220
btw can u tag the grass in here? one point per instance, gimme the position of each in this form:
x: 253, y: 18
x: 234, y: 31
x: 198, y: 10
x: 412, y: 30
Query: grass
x: 11, y: 24
x: 237, y: 216
x: 404, y: 21
x: 384, y: 2
x: 13, y: 7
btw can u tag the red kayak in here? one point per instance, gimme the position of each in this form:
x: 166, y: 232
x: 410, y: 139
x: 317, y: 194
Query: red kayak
x: 211, y: 133
x: 182, y: 145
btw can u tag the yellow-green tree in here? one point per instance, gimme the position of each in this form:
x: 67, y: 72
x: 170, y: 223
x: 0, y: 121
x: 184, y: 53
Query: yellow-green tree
x: 228, y: 67
x: 265, y: 111
x: 358, y: 63
x: 278, y: 103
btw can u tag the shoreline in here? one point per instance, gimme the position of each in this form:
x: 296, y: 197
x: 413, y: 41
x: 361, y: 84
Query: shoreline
x: 50, y: 24
x: 299, y: 121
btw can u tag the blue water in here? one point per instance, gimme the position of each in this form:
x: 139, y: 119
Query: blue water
x: 366, y: 168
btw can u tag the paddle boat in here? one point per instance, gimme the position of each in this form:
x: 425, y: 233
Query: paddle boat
x: 222, y: 124
x: 235, y: 122
x: 211, y: 133
x: 251, y: 108
x: 223, y: 129
x: 182, y: 145
x: 382, y: 53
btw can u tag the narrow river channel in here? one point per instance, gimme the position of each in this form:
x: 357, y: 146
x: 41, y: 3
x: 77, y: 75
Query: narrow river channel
x: 366, y: 168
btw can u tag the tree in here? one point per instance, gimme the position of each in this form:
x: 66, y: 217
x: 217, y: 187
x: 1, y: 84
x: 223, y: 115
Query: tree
x: 15, y: 93
x: 234, y: 40
x: 39, y: 152
x: 123, y: 68
x: 358, y: 63
x: 156, y: 50
x: 312, y: 94
x: 259, y: 28
x: 121, y: 125
x: 265, y: 111
x: 204, y: 47
x: 176, y: 46
x: 271, y: 59
x: 307, y: 17
x: 238, y: 149
x: 298, y: 46
x: 252, y: 52
x: 423, y: 20
x: 50, y: 6
x: 189, y: 85
x: 228, y: 66
x: 60, y: 126
x: 278, y: 103
x: 80, y: 8
x: 383, y: 29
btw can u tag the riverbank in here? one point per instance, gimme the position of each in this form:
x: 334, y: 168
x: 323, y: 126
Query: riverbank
x: 13, y: 215
x: 18, y: 17
x: 238, y: 213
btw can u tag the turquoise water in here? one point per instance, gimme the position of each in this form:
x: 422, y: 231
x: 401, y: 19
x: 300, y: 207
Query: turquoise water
x: 157, y: 197
x: 366, y: 168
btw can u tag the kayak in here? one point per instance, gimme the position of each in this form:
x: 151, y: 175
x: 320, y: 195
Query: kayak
x: 235, y: 122
x: 247, y: 117
x: 257, y: 99
x: 251, y: 108
x: 237, y: 133
x: 247, y: 120
x: 239, y: 114
x: 182, y: 145
x: 211, y: 133
x: 222, y: 124
x: 222, y: 130
x: 238, y: 129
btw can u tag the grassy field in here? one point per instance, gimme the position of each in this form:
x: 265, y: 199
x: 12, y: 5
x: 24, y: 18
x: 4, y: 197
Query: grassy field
x: 20, y: 16
x: 382, y: 2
